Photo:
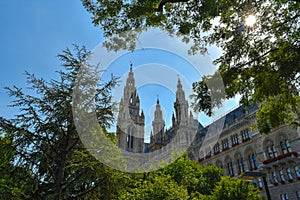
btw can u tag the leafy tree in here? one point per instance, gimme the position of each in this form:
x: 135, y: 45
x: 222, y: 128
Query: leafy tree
x: 232, y: 189
x: 260, y: 62
x: 183, y: 179
x: 45, y: 143
x: 16, y: 182
x: 156, y: 187
x: 186, y: 179
x: 196, y: 178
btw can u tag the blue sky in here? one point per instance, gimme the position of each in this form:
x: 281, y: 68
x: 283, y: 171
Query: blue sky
x: 33, y: 32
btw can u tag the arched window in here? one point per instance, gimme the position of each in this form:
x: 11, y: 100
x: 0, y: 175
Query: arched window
x: 230, y: 168
x: 225, y: 144
x: 129, y: 138
x: 234, y: 139
x: 284, y: 196
x: 289, y: 173
x: 285, y: 146
x: 245, y: 134
x: 241, y: 164
x: 296, y: 168
x: 217, y: 148
x: 281, y: 176
x: 258, y: 183
x: 275, y: 177
x: 252, y: 161
x: 272, y: 150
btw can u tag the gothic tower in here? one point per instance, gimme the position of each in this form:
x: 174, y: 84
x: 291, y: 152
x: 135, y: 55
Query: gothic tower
x: 158, y: 125
x: 130, y: 123
x: 181, y: 106
x: 185, y: 123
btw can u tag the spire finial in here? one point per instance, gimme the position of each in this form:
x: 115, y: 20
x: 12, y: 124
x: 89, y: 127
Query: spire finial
x: 130, y: 66
x: 157, y: 101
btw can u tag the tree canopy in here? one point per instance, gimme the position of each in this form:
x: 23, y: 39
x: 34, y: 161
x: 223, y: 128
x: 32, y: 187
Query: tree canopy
x: 259, y: 61
x: 41, y: 147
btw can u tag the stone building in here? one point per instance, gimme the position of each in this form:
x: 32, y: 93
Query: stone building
x: 131, y: 122
x: 237, y: 149
x: 229, y: 142
x: 183, y: 124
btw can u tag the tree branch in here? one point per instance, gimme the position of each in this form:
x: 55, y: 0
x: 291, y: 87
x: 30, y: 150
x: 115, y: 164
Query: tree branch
x: 164, y: 2
x: 240, y: 65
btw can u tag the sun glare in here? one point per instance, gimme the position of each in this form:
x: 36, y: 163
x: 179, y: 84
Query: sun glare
x: 250, y: 20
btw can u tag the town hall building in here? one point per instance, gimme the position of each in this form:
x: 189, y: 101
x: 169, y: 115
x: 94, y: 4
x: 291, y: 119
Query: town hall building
x: 236, y: 147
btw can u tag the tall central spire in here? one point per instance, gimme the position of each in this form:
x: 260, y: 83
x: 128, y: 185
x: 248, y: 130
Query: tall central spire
x: 130, y: 79
x: 158, y: 123
x: 130, y: 125
x: 180, y: 96
x: 181, y: 104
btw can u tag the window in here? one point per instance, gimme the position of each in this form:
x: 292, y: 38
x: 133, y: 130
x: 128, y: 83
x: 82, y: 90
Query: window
x: 245, y: 134
x: 272, y: 151
x: 275, y: 177
x: 288, y: 146
x: 230, y: 168
x: 296, y: 168
x: 255, y: 183
x: 241, y: 165
x: 283, y: 147
x: 258, y: 183
x: 216, y: 148
x: 289, y: 173
x: 225, y: 144
x: 284, y: 196
x: 281, y: 175
x: 252, y: 161
x: 234, y: 139
x: 129, y: 138
x: 298, y: 195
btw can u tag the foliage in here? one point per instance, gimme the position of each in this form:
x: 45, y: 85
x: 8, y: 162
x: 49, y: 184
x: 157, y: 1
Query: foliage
x: 15, y: 182
x: 232, y: 189
x: 44, y: 140
x: 260, y: 62
x: 183, y: 179
x: 195, y: 177
x: 156, y: 188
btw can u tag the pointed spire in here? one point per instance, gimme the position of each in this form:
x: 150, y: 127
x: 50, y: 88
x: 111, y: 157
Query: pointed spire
x: 130, y: 79
x: 142, y: 114
x: 173, y: 119
x: 179, y: 85
x: 157, y: 101
x: 179, y: 93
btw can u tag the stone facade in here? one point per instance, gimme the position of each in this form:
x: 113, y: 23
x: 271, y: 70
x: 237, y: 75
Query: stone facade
x: 131, y: 122
x: 237, y: 149
x: 229, y: 142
